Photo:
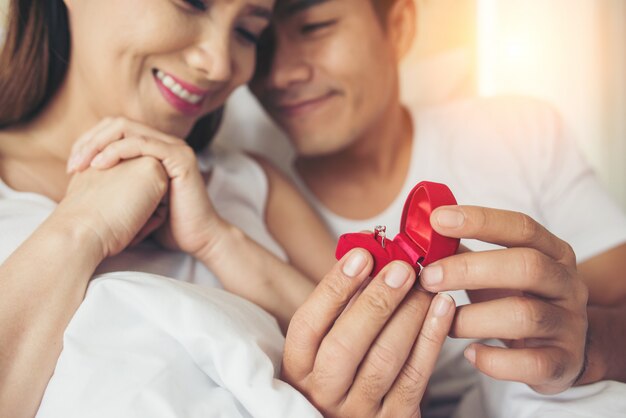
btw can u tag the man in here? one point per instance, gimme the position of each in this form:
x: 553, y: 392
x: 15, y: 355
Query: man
x: 327, y: 76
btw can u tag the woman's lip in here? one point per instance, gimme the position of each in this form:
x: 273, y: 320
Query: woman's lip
x: 298, y: 108
x: 189, y: 87
x: 178, y: 103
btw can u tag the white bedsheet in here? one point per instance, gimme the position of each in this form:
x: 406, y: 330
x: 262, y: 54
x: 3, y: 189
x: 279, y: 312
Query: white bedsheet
x: 499, y: 399
x: 142, y: 345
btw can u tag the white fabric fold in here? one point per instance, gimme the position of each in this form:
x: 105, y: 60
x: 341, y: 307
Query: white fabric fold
x: 143, y: 345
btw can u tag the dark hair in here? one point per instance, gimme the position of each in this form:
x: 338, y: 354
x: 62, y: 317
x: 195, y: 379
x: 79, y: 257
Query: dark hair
x: 34, y: 61
x: 382, y: 8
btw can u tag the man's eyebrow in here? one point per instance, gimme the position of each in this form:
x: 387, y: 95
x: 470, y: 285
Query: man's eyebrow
x: 259, y: 11
x: 297, y: 6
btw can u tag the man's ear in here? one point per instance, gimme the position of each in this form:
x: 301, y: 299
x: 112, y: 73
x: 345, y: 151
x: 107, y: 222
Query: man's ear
x: 401, y: 26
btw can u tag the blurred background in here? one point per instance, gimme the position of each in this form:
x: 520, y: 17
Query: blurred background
x: 571, y: 53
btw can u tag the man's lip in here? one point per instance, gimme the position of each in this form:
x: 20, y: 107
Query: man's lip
x: 302, y: 106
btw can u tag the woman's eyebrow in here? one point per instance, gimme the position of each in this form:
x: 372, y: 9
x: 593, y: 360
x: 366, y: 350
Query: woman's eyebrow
x: 297, y: 6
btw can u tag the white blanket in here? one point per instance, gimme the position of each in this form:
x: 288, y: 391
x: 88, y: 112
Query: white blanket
x: 499, y: 399
x: 142, y: 345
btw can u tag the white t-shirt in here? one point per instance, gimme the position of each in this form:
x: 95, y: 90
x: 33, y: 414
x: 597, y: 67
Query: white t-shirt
x: 238, y: 189
x: 507, y: 153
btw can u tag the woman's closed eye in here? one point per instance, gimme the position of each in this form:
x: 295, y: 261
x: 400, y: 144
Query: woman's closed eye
x: 197, y: 4
x: 248, y: 36
x: 313, y: 28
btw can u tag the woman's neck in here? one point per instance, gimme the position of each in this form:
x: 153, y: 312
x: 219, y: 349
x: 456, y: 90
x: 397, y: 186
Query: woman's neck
x: 34, y: 154
x: 62, y: 121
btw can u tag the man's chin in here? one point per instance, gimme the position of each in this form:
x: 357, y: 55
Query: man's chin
x: 315, y: 145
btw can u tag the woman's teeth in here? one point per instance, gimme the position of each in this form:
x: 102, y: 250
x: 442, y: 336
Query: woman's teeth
x: 177, y: 89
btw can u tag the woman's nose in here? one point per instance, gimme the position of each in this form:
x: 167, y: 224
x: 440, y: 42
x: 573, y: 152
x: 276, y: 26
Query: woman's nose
x: 212, y: 57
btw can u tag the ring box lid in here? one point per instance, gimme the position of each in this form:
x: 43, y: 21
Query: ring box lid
x: 417, y: 237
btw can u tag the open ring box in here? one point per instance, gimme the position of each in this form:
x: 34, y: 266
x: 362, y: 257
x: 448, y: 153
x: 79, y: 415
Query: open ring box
x: 416, y: 243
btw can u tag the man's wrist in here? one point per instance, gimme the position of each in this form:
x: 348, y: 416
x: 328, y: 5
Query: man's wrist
x: 605, y: 345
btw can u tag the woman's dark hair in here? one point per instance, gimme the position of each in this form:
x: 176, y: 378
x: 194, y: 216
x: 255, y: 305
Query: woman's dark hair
x: 34, y: 60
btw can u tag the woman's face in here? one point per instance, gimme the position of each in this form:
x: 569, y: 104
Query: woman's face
x: 164, y: 63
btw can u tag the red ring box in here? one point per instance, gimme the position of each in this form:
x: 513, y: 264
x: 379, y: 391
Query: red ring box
x: 417, y: 243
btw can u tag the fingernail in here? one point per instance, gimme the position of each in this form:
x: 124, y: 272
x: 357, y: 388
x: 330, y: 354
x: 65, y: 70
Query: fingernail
x: 450, y: 218
x: 73, y: 163
x: 470, y: 354
x: 355, y: 264
x: 443, y: 303
x: 397, y: 275
x: 97, y: 161
x: 431, y: 275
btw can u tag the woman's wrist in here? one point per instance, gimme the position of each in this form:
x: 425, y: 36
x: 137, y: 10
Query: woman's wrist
x: 223, y: 239
x: 76, y: 237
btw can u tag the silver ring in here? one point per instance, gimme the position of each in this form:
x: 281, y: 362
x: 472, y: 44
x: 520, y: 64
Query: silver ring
x: 419, y: 263
x: 421, y: 268
x: 380, y: 231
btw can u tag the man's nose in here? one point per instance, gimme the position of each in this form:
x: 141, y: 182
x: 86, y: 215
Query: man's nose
x: 289, y: 66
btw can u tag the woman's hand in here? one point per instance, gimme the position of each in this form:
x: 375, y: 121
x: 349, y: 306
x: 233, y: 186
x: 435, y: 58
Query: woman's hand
x: 544, y: 322
x: 115, y: 205
x: 375, y: 357
x: 192, y: 219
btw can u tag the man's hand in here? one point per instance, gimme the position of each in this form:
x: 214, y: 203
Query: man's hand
x: 542, y: 317
x: 375, y: 357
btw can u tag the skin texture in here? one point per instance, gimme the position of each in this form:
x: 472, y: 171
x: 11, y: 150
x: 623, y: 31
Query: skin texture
x: 358, y: 355
x: 552, y: 305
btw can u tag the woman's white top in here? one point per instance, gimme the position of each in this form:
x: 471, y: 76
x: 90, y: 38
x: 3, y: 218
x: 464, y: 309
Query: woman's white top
x: 238, y: 189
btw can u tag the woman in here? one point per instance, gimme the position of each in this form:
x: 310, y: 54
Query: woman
x: 141, y: 75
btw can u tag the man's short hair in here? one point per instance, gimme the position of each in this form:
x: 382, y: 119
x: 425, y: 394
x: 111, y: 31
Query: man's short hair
x: 382, y: 7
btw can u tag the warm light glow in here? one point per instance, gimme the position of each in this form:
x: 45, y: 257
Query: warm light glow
x: 566, y: 52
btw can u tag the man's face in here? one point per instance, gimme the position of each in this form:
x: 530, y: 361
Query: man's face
x: 326, y: 72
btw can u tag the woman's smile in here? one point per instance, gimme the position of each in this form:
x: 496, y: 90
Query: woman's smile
x: 183, y: 96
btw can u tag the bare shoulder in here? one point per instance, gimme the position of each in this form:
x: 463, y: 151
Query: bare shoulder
x: 264, y: 163
x: 11, y: 144
x: 8, y: 152
x: 275, y: 176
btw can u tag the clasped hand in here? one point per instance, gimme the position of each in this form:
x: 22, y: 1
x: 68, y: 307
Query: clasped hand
x: 191, y: 219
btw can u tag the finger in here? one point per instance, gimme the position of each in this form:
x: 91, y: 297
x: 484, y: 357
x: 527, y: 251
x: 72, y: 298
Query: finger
x: 87, y: 147
x: 75, y: 159
x: 386, y: 357
x: 510, y: 318
x: 515, y: 268
x: 408, y: 390
x: 501, y: 227
x: 136, y: 146
x: 156, y: 220
x: 316, y: 316
x: 545, y: 369
x: 349, y: 340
